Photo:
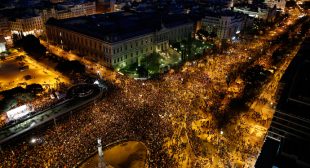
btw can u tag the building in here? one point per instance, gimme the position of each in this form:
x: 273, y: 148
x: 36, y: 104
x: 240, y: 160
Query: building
x: 103, y: 6
x: 220, y: 3
x: 31, y: 24
x: 4, y: 26
x: 56, y: 1
x: 31, y: 20
x: 261, y: 11
x: 119, y: 6
x: 280, y: 4
x: 226, y: 24
x: 118, y: 39
x: 2, y: 44
x: 68, y: 10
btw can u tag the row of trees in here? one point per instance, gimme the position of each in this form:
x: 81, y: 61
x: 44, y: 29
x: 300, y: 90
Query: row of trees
x: 203, y: 33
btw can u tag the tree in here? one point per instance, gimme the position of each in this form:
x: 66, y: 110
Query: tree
x: 17, y: 40
x: 202, y: 32
x: 152, y: 62
x: 142, y: 72
x: 189, y: 45
x: 277, y: 56
x: 213, y: 34
x: 34, y: 88
x: 2, y: 58
x: 33, y: 47
x: 305, y: 28
x: 70, y: 67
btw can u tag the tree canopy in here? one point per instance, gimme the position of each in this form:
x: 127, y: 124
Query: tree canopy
x: 32, y: 46
x: 151, y: 62
x: 70, y: 67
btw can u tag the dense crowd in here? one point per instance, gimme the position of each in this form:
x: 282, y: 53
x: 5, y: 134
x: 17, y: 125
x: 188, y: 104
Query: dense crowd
x: 134, y: 110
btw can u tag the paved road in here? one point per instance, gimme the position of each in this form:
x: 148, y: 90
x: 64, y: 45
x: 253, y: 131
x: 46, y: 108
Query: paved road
x: 15, y: 130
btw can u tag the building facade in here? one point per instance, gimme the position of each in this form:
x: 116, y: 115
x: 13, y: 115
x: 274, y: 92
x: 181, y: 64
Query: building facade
x: 264, y: 13
x: 56, y: 1
x: 280, y: 4
x: 4, y: 26
x: 225, y: 24
x: 118, y: 39
x: 27, y: 25
x: 2, y: 44
x: 69, y: 11
x: 103, y: 6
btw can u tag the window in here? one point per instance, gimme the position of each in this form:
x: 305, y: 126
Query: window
x: 126, y: 56
x: 131, y: 55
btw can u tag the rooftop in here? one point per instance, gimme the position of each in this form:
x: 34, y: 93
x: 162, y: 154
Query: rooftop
x: 252, y: 7
x: 221, y: 13
x: 119, y: 26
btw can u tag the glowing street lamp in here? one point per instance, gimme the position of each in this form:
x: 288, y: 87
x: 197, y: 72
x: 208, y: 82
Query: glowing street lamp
x: 33, y: 140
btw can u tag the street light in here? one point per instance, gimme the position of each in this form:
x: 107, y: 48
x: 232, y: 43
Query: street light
x: 33, y: 140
